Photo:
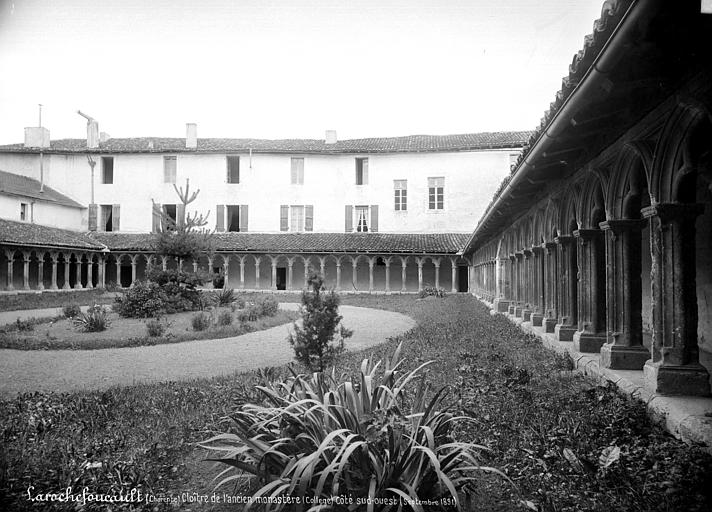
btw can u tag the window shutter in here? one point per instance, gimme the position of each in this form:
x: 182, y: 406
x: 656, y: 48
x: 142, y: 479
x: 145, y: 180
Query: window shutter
x: 220, y: 214
x: 309, y: 217
x: 374, y: 218
x: 243, y: 217
x: 284, y: 218
x: 156, y: 217
x: 92, y: 217
x: 180, y: 215
x: 349, y: 218
x: 115, y: 212
x: 365, y: 171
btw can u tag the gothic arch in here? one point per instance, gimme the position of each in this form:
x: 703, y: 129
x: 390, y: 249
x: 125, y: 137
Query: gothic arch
x: 630, y: 181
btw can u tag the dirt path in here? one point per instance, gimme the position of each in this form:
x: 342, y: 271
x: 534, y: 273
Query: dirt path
x: 71, y: 370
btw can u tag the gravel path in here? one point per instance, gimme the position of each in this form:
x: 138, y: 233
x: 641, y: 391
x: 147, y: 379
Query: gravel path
x: 72, y: 370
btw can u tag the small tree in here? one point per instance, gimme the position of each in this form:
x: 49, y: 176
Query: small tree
x: 186, y: 235
x: 320, y: 339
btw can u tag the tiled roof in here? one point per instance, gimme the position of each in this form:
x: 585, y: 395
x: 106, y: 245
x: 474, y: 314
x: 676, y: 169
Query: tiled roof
x: 406, y: 243
x: 23, y: 233
x: 410, y: 143
x: 28, y: 187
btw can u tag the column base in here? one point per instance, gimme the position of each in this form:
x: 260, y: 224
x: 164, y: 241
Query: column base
x: 619, y: 357
x: 537, y: 319
x: 501, y: 305
x: 564, y: 332
x: 588, y: 343
x: 518, y: 311
x: 511, y: 308
x: 690, y: 380
x: 527, y: 315
x: 549, y: 324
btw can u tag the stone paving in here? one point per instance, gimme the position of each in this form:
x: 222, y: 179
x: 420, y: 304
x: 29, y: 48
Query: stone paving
x: 72, y: 370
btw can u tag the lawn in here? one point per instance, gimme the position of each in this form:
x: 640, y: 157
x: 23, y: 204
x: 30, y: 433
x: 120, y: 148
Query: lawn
x: 62, y: 333
x: 54, y: 299
x: 545, y: 424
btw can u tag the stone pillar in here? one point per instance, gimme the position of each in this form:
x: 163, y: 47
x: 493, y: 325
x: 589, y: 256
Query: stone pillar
x: 290, y: 264
x: 404, y: 265
x: 10, y: 255
x: 519, y: 264
x: 568, y: 286
x: 338, y: 275
x: 210, y: 265
x: 78, y: 272
x: 371, y: 262
x: 40, y: 271
x: 274, y: 274
x: 133, y: 270
x: 242, y: 272
x: 26, y: 258
x: 419, y: 261
x: 527, y: 281
x: 354, y: 272
x: 226, y: 271
x: 675, y: 367
x: 322, y: 267
x: 53, y: 257
x: 512, y: 284
x: 590, y: 335
x: 90, y: 271
x: 257, y: 272
x: 66, y: 285
x: 195, y: 267
x: 551, y: 277
x: 538, y: 288
x: 501, y: 300
x: 180, y: 264
x: 307, y: 264
x: 624, y: 348
x: 164, y: 262
x: 436, y: 262
x: 453, y: 275
x: 102, y: 271
x: 387, y: 261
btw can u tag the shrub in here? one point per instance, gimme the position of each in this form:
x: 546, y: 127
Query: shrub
x: 218, y: 281
x: 225, y: 297
x: 200, y: 321
x: 225, y: 318
x: 250, y: 314
x: 268, y: 306
x: 155, y: 327
x: 71, y: 310
x: 431, y: 291
x: 179, y: 288
x: 318, y: 342
x: 25, y: 325
x: 96, y: 319
x: 318, y: 438
x: 144, y: 300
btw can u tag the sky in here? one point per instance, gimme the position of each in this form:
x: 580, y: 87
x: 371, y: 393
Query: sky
x: 284, y: 68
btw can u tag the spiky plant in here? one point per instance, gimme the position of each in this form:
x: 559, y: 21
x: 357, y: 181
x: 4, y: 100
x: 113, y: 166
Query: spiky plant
x: 316, y: 438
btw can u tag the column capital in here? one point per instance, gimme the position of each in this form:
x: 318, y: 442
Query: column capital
x: 587, y: 234
x: 673, y: 211
x: 538, y: 249
x: 564, y: 240
x: 519, y: 255
x: 527, y: 252
x: 549, y: 245
x: 618, y: 226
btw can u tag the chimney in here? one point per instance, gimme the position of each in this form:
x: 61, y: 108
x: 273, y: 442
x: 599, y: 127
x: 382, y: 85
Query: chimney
x: 92, y: 131
x: 191, y: 136
x: 331, y: 137
x: 36, y: 137
x: 103, y: 136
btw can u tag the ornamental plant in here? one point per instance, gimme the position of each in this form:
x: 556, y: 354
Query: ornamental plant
x: 355, y: 445
x: 320, y: 338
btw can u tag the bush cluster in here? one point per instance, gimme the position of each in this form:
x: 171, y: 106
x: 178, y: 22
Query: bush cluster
x: 155, y: 327
x: 96, y: 319
x: 431, y: 291
x: 200, y: 321
x: 267, y: 306
x: 71, y: 310
x: 166, y: 291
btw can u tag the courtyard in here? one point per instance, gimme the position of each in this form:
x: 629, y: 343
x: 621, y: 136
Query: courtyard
x: 546, y: 425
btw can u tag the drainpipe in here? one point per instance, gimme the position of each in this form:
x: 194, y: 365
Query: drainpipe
x: 593, y: 78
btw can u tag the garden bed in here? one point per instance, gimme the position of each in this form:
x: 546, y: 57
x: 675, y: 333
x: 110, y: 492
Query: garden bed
x: 61, y: 333
x: 545, y: 425
x: 54, y: 299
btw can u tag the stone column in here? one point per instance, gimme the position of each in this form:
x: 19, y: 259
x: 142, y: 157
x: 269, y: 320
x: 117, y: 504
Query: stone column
x: 501, y: 300
x: 338, y: 275
x: 274, y: 274
x: 568, y: 286
x: 527, y: 282
x: 591, y: 335
x: 90, y: 271
x: 436, y: 262
x: 354, y: 272
x: 322, y: 267
x: 551, y: 277
x: 512, y: 284
x: 307, y: 264
x: 453, y: 275
x: 519, y: 264
x: 26, y: 258
x: 195, y: 267
x: 624, y: 348
x: 78, y: 272
x: 404, y: 265
x: 10, y: 255
x: 242, y: 272
x: 371, y: 262
x: 102, y: 272
x: 387, y: 261
x: 419, y: 261
x: 66, y: 285
x: 290, y: 264
x: 53, y: 257
x: 226, y: 271
x: 180, y: 264
x: 258, y: 260
x: 164, y: 262
x: 40, y: 271
x: 538, y: 278
x: 133, y: 270
x: 675, y: 367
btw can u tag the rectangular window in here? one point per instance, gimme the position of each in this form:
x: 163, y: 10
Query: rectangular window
x: 169, y: 169
x: 107, y: 217
x: 170, y: 211
x: 362, y: 218
x: 233, y: 169
x: 297, y: 171
x: 436, y: 193
x: 400, y: 188
x: 296, y: 218
x: 233, y: 217
x: 23, y: 211
x: 107, y: 170
x: 362, y: 171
